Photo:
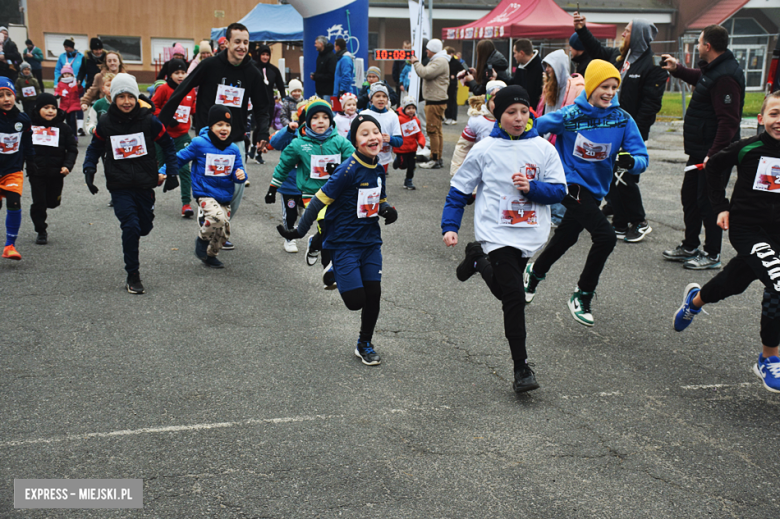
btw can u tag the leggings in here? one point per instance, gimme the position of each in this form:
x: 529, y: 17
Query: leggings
x: 290, y: 205
x: 367, y: 300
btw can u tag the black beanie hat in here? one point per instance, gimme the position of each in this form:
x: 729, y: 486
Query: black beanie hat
x: 95, y: 43
x: 69, y: 43
x: 176, y: 64
x: 356, y: 122
x: 220, y: 113
x: 45, y: 99
x: 507, y: 97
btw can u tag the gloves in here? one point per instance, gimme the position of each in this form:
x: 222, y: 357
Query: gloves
x: 171, y: 183
x: 625, y: 160
x: 270, y: 197
x: 89, y: 176
x: 288, y: 234
x: 389, y: 214
x: 471, y: 199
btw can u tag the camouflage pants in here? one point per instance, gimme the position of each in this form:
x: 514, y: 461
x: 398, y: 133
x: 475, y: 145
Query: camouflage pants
x: 214, y: 220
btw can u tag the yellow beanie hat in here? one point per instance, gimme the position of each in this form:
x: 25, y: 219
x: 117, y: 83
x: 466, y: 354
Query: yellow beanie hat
x: 597, y: 72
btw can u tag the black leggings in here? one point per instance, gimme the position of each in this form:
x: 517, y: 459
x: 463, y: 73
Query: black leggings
x: 46, y: 194
x: 366, y: 299
x: 316, y: 244
x: 290, y: 205
x: 14, y: 200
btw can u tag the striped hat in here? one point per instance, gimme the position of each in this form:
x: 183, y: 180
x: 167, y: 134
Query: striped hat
x: 315, y: 106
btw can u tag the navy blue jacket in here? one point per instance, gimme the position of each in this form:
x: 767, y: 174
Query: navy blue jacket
x: 15, y: 141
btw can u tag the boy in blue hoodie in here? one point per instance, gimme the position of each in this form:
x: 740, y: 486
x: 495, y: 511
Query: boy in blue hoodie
x: 217, y: 166
x: 590, y: 133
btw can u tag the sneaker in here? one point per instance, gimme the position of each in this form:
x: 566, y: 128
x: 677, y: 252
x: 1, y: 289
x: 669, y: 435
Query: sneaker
x: 768, y: 370
x: 680, y: 253
x: 110, y: 203
x: 329, y: 278
x: 525, y: 380
x: 311, y: 255
x: 408, y: 184
x: 81, y: 132
x: 186, y: 211
x: 10, y: 252
x: 213, y: 262
x: 366, y: 352
x: 684, y: 315
x: 530, y: 281
x: 579, y: 306
x: 468, y: 266
x: 290, y: 246
x: 228, y: 246
x: 201, y: 249
x: 620, y: 233
x: 427, y: 165
x: 134, y: 285
x: 703, y: 261
x: 637, y: 232
x: 439, y: 164
x: 42, y: 239
x: 246, y: 183
x: 251, y: 152
x: 259, y: 159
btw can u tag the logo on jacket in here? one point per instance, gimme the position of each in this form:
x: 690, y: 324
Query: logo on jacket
x: 727, y: 100
x: 18, y: 127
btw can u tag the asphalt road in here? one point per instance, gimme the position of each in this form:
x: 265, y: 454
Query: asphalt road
x: 236, y: 394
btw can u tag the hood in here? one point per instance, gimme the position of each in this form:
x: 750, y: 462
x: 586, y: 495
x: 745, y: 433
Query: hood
x: 475, y: 105
x: 582, y: 103
x: 559, y: 62
x: 327, y: 48
x: 642, y: 33
x: 204, y: 132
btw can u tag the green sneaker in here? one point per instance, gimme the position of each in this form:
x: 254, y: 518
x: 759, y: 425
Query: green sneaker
x: 530, y: 280
x: 579, y: 306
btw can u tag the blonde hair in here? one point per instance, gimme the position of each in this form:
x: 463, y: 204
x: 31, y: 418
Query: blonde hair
x: 108, y: 76
x: 550, y: 88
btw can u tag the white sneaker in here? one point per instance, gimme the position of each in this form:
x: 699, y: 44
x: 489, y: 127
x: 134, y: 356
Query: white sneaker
x: 290, y: 246
x: 427, y: 165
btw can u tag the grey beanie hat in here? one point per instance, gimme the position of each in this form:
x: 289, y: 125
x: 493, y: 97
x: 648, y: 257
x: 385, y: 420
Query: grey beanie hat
x: 124, y: 83
x: 24, y: 65
x: 378, y: 87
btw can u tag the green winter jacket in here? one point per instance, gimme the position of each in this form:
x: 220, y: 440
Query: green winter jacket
x: 310, y: 157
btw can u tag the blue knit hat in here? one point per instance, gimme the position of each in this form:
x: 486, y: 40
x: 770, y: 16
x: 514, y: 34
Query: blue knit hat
x: 6, y: 83
x: 575, y: 43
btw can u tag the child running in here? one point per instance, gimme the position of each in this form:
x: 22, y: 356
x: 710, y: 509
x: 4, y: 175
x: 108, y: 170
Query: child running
x: 379, y: 100
x: 28, y: 87
x: 55, y: 155
x: 217, y: 166
x: 754, y: 231
x: 16, y: 149
x: 355, y: 198
x: 344, y: 119
x: 69, y: 92
x: 590, y: 133
x: 412, y: 138
x: 100, y: 106
x: 517, y: 174
x: 290, y: 102
x: 292, y: 203
x: 130, y: 132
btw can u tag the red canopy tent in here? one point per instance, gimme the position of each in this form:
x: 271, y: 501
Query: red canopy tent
x: 533, y: 19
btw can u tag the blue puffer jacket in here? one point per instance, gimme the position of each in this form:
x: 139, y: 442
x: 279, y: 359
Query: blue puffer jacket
x: 214, y: 181
x: 279, y: 141
x: 345, y: 75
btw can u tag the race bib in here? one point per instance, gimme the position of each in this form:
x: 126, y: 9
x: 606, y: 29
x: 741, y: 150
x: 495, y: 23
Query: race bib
x: 230, y: 96
x: 28, y: 91
x: 591, y: 151
x: 46, y: 136
x: 368, y: 200
x: 128, y: 146
x: 768, y: 175
x: 516, y: 211
x: 219, y: 165
x: 410, y: 128
x: 319, y: 164
x: 182, y: 114
x: 9, y: 142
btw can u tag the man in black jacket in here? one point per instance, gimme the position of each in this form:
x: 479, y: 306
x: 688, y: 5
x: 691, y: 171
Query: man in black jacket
x: 529, y: 71
x: 272, y: 78
x: 579, y: 56
x: 91, y: 62
x: 325, y: 72
x: 641, y: 95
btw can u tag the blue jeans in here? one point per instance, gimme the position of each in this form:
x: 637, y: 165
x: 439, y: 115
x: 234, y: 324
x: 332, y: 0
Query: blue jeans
x: 556, y: 213
x: 238, y: 191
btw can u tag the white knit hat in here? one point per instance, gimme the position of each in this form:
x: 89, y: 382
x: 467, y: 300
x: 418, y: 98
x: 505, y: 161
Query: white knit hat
x: 124, y: 84
x: 295, y: 85
x: 492, y: 87
x: 408, y: 101
x: 378, y: 87
x: 435, y: 45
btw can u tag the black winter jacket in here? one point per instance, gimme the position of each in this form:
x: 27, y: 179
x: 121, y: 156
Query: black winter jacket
x: 90, y: 65
x: 642, y: 91
x: 325, y: 73
x: 595, y: 49
x: 530, y: 78
x: 51, y: 159
x: 500, y: 65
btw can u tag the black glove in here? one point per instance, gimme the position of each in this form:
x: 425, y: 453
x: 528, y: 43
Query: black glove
x: 389, y: 214
x: 625, y: 160
x: 89, y: 176
x: 171, y: 183
x: 288, y: 234
x: 270, y: 196
x: 471, y: 199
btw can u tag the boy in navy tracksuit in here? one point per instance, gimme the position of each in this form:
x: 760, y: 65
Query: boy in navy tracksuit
x: 15, y: 149
x: 126, y: 135
x: 217, y: 166
x: 355, y: 198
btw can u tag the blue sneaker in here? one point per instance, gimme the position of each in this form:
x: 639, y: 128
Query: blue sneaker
x: 768, y: 370
x: 366, y: 352
x: 685, y: 314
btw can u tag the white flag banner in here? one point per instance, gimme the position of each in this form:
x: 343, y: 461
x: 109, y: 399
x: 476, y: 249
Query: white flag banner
x: 420, y: 28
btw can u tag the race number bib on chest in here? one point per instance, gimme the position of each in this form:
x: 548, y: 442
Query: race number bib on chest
x: 128, y: 146
x: 45, y: 136
x: 410, y: 128
x: 219, y: 165
x: 368, y: 200
x: 516, y: 211
x: 28, y: 91
x: 9, y: 142
x: 768, y: 175
x: 591, y: 151
x: 182, y: 114
x: 319, y: 165
x: 230, y: 96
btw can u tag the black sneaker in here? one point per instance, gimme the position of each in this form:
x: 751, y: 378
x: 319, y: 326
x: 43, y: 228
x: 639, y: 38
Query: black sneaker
x: 468, y: 266
x: 525, y: 380
x: 366, y: 352
x: 680, y: 253
x: 201, y: 249
x: 213, y: 262
x: 620, y: 232
x: 228, y: 246
x: 134, y: 285
x: 408, y: 184
x: 703, y: 261
x: 438, y: 164
x: 42, y: 239
x: 637, y: 232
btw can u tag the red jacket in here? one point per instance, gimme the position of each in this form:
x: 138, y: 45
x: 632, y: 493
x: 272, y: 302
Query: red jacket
x: 70, y: 96
x: 161, y: 96
x: 411, y: 140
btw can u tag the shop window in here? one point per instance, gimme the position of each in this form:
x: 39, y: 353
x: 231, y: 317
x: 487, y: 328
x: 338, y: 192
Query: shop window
x: 128, y: 46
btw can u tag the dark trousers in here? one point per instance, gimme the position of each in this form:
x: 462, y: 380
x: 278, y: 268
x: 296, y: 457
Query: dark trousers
x: 582, y: 212
x: 290, y: 205
x: 38, y: 74
x: 626, y: 200
x: 452, y: 101
x: 504, y: 277
x: 134, y: 208
x: 71, y: 118
x: 46, y: 194
x: 757, y: 258
x: 697, y: 211
x: 405, y: 161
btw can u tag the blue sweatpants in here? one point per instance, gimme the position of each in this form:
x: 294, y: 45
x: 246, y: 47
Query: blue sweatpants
x: 134, y: 208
